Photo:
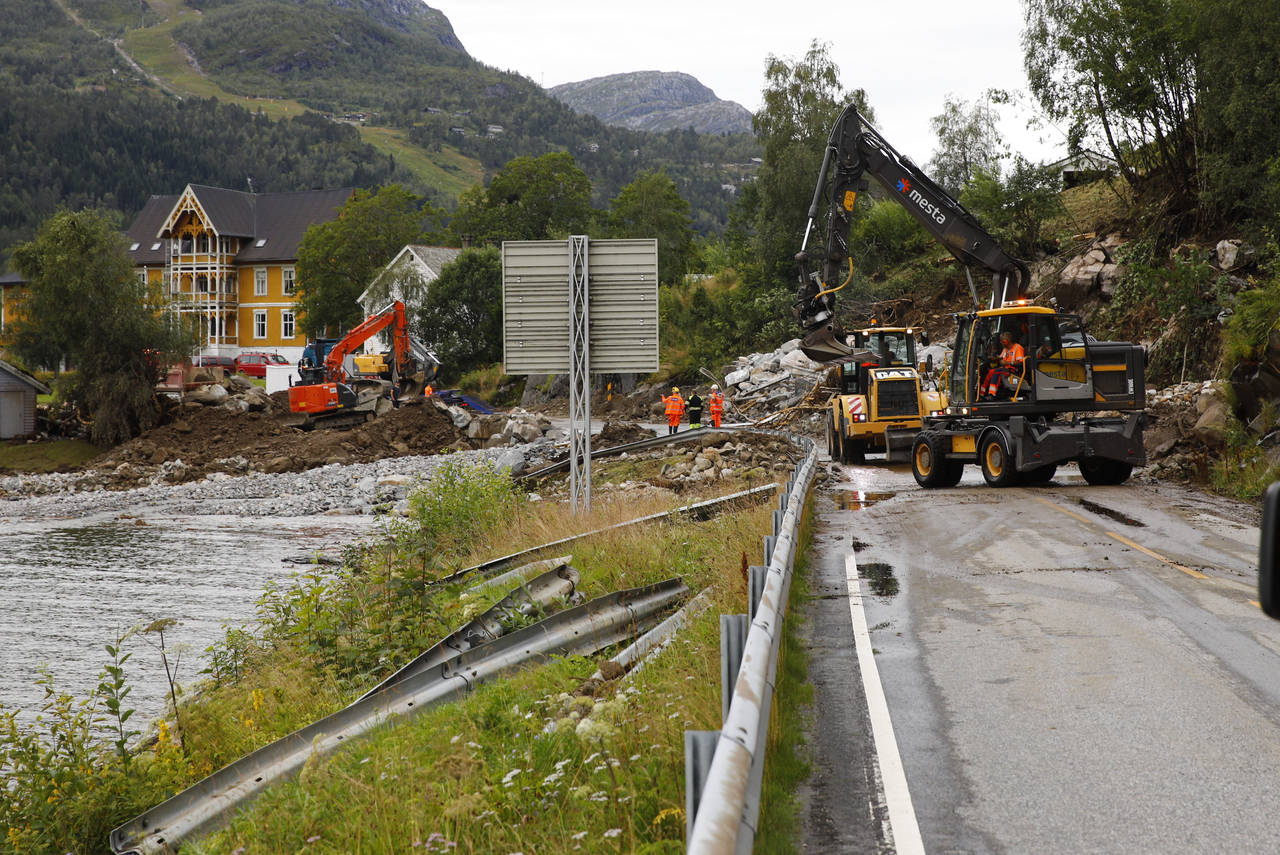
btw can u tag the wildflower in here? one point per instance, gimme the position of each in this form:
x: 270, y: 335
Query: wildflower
x: 457, y: 737
x: 634, y: 757
x: 613, y: 832
x: 577, y: 835
x: 313, y: 838
x: 560, y: 764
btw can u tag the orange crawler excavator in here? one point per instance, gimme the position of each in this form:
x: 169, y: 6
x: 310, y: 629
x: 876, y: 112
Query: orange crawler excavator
x: 346, y: 389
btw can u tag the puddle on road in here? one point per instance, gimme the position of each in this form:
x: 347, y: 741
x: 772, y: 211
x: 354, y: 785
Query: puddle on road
x: 858, y: 545
x: 880, y: 577
x: 856, y: 500
x: 1110, y: 514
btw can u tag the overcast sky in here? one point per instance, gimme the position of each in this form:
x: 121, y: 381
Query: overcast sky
x: 908, y: 54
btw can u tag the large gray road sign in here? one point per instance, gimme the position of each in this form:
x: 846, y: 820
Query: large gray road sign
x: 622, y: 305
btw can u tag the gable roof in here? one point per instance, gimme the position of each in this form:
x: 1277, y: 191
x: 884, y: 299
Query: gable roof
x: 279, y: 218
x: 429, y: 259
x: 24, y: 377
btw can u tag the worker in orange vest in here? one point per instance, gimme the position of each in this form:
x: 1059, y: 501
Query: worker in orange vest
x: 1010, y: 364
x: 674, y: 409
x: 715, y: 405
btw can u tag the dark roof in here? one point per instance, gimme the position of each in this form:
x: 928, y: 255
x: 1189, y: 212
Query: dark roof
x: 145, y: 228
x: 24, y: 377
x: 12, y: 279
x: 283, y: 218
x: 279, y: 218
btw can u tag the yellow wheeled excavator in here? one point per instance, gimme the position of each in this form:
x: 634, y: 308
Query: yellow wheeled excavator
x: 1056, y: 396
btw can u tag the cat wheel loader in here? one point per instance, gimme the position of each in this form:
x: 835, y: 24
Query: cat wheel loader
x: 883, y: 397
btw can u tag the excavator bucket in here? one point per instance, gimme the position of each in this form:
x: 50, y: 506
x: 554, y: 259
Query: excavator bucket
x: 827, y: 344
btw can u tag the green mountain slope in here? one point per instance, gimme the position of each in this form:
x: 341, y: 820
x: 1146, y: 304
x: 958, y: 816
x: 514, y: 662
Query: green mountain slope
x: 108, y: 101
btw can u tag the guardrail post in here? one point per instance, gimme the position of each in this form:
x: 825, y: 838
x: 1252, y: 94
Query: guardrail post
x: 733, y: 641
x: 783, y: 497
x: 699, y: 750
x: 777, y: 522
x: 769, y: 541
x: 756, y: 575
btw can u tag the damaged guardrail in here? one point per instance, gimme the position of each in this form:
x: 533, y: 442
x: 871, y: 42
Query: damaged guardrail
x: 577, y: 631
x: 724, y: 769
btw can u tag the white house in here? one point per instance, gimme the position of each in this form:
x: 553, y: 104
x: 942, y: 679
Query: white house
x: 406, y: 277
x: 18, y: 401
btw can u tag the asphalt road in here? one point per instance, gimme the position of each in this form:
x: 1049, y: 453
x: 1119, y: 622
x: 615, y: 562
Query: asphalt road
x: 1067, y: 669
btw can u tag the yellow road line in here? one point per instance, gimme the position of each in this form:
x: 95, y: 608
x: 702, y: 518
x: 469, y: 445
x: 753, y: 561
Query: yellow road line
x: 1156, y: 555
x: 1126, y: 541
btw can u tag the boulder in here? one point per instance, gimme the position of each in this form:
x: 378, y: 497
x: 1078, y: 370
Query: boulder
x: 460, y: 417
x: 1211, y: 427
x: 795, y: 360
x: 733, y: 378
x: 208, y: 395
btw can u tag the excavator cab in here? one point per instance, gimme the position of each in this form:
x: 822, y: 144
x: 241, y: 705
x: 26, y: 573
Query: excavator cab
x: 1054, y: 365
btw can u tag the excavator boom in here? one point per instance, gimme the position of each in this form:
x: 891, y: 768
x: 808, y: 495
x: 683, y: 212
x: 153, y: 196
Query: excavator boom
x: 856, y: 150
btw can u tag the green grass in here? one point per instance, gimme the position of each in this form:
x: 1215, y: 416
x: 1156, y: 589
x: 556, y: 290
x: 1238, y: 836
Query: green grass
x: 51, y: 455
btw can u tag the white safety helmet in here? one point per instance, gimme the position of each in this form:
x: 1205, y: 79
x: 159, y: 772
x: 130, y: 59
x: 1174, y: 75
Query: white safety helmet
x: 715, y: 386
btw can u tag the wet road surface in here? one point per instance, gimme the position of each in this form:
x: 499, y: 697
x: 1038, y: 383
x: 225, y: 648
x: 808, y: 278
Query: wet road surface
x: 1067, y: 668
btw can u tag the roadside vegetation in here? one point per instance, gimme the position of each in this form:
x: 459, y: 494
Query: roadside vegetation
x: 542, y: 762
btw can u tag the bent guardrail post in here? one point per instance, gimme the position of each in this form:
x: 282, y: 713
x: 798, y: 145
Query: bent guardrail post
x: 727, y: 808
x: 205, y: 805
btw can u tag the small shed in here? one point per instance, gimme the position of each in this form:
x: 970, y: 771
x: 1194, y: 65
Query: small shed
x: 18, y: 391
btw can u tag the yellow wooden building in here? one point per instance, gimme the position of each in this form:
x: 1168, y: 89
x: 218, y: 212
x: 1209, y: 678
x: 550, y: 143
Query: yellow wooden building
x: 229, y: 259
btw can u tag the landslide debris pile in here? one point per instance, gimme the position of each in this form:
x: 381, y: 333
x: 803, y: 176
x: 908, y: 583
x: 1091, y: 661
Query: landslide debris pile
x: 233, y: 428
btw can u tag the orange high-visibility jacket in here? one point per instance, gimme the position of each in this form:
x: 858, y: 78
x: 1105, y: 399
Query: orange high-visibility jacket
x: 715, y: 403
x: 1013, y: 354
x: 675, y: 405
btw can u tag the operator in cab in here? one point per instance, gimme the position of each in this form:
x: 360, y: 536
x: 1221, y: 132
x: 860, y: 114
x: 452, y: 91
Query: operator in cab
x: 1011, y: 358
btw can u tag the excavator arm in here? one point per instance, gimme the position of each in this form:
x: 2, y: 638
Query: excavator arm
x: 392, y: 316
x: 854, y: 151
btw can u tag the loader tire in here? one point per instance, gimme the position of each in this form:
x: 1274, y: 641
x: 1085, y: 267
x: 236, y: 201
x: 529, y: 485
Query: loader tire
x: 855, y: 451
x: 929, y: 463
x: 1101, y: 472
x: 998, y: 465
x: 832, y: 452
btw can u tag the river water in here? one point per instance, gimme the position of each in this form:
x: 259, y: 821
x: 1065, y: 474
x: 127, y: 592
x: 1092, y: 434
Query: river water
x: 68, y: 587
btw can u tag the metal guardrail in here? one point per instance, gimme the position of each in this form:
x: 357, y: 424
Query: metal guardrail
x: 577, y: 631
x: 698, y: 510
x: 558, y: 583
x: 724, y: 768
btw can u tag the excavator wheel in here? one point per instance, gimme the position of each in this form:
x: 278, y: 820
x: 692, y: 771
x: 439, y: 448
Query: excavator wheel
x: 998, y: 466
x: 832, y: 452
x: 929, y: 463
x: 1101, y: 472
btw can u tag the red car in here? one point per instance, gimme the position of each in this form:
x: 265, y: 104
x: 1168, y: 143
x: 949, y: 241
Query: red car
x: 255, y: 364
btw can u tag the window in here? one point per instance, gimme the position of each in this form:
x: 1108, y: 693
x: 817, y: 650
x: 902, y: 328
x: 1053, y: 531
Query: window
x: 187, y: 244
x: 259, y: 324
x: 202, y: 244
x: 202, y: 283
x: 287, y: 274
x: 217, y: 327
x: 133, y: 247
x: 142, y: 277
x: 261, y: 242
x: 260, y: 282
x: 229, y: 284
x: 286, y: 325
x: 155, y: 246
